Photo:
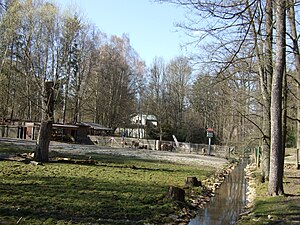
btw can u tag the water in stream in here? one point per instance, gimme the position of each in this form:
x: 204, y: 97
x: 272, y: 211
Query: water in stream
x: 228, y: 202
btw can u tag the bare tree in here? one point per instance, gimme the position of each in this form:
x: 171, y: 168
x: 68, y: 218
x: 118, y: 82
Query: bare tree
x: 69, y: 58
x: 296, y: 52
x: 266, y: 81
x: 156, y: 96
x: 10, y: 23
x: 263, y: 54
x: 44, y: 137
x: 34, y: 59
x: 115, y: 75
x: 275, y: 186
x: 178, y: 82
x: 233, y: 26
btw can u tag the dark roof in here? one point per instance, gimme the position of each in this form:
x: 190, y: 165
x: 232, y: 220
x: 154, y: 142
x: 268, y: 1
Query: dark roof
x: 70, y: 126
x: 56, y: 125
x: 95, y: 126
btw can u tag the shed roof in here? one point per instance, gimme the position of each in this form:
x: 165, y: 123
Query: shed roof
x: 95, y: 126
x: 54, y: 125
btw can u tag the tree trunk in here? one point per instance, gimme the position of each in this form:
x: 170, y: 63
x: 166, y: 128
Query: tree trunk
x: 44, y: 137
x: 42, y: 147
x: 284, y: 114
x: 65, y: 99
x: 275, y: 186
x: 265, y: 70
x: 294, y: 36
x: 267, y: 89
x: 77, y: 98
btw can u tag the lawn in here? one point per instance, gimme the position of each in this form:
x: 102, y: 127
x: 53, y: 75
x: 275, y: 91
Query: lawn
x: 278, y: 209
x: 115, y: 190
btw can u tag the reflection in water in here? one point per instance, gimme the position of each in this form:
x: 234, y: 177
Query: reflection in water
x: 228, y: 203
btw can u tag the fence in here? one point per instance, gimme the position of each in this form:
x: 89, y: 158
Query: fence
x: 15, y: 131
x: 220, y: 151
x: 18, y: 131
x: 291, y: 156
x: 10, y: 131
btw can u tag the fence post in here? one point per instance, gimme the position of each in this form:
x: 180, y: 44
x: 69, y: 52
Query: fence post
x: 257, y: 156
x: 228, y: 152
x: 2, y: 131
x: 297, y: 158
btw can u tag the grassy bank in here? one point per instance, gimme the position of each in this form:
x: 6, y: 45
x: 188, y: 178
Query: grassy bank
x: 116, y: 190
x: 278, y: 209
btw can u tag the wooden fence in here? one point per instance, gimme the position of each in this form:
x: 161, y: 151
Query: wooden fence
x: 119, y: 142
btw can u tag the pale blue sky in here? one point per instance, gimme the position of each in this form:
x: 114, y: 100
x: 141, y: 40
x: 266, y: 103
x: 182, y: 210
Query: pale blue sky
x: 150, y: 25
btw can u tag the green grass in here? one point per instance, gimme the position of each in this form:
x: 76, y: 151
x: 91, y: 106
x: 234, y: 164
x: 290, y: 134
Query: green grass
x: 117, y: 190
x: 276, y: 209
x: 13, y: 149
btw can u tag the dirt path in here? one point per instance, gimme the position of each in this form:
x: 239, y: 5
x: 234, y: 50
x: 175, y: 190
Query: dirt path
x: 183, y: 158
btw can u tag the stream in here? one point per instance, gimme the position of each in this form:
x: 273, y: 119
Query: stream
x: 229, y: 200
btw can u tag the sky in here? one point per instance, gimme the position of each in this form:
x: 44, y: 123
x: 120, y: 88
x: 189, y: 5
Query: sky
x: 149, y: 25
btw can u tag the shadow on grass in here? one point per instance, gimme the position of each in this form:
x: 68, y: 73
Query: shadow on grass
x: 80, y: 199
x: 115, y: 190
x: 293, y: 177
x: 291, y: 195
x: 285, y: 208
x: 97, y: 194
x: 15, y: 149
x: 114, y: 161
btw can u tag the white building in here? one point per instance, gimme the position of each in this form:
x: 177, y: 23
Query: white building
x: 143, y: 119
x: 137, y: 128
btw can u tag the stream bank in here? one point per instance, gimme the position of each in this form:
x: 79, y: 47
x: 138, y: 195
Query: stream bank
x: 209, y: 189
x: 225, y: 199
x: 273, y: 209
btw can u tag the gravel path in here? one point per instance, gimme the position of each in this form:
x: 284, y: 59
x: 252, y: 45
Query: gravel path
x: 182, y: 158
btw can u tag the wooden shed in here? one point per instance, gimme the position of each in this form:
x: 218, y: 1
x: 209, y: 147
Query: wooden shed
x: 97, y: 129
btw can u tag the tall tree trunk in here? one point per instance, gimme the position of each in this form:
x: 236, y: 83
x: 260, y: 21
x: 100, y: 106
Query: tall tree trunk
x: 44, y: 137
x: 29, y: 104
x: 294, y: 36
x: 267, y: 89
x: 284, y: 112
x: 275, y: 186
x: 265, y: 70
x: 66, y: 94
x: 76, y: 97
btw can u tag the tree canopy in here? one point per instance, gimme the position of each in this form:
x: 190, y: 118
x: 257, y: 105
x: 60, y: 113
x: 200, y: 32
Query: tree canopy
x: 225, y: 84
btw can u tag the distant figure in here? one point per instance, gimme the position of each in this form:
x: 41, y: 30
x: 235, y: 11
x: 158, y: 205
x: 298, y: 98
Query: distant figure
x: 123, y: 139
x: 123, y: 142
x: 135, y: 144
x: 166, y: 147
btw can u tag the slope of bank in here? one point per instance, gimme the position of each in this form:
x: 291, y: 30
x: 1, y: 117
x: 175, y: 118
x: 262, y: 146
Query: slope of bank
x: 264, y: 209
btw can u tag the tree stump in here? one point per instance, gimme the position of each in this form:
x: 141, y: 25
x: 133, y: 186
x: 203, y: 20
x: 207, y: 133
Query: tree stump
x: 193, y: 182
x: 176, y: 194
